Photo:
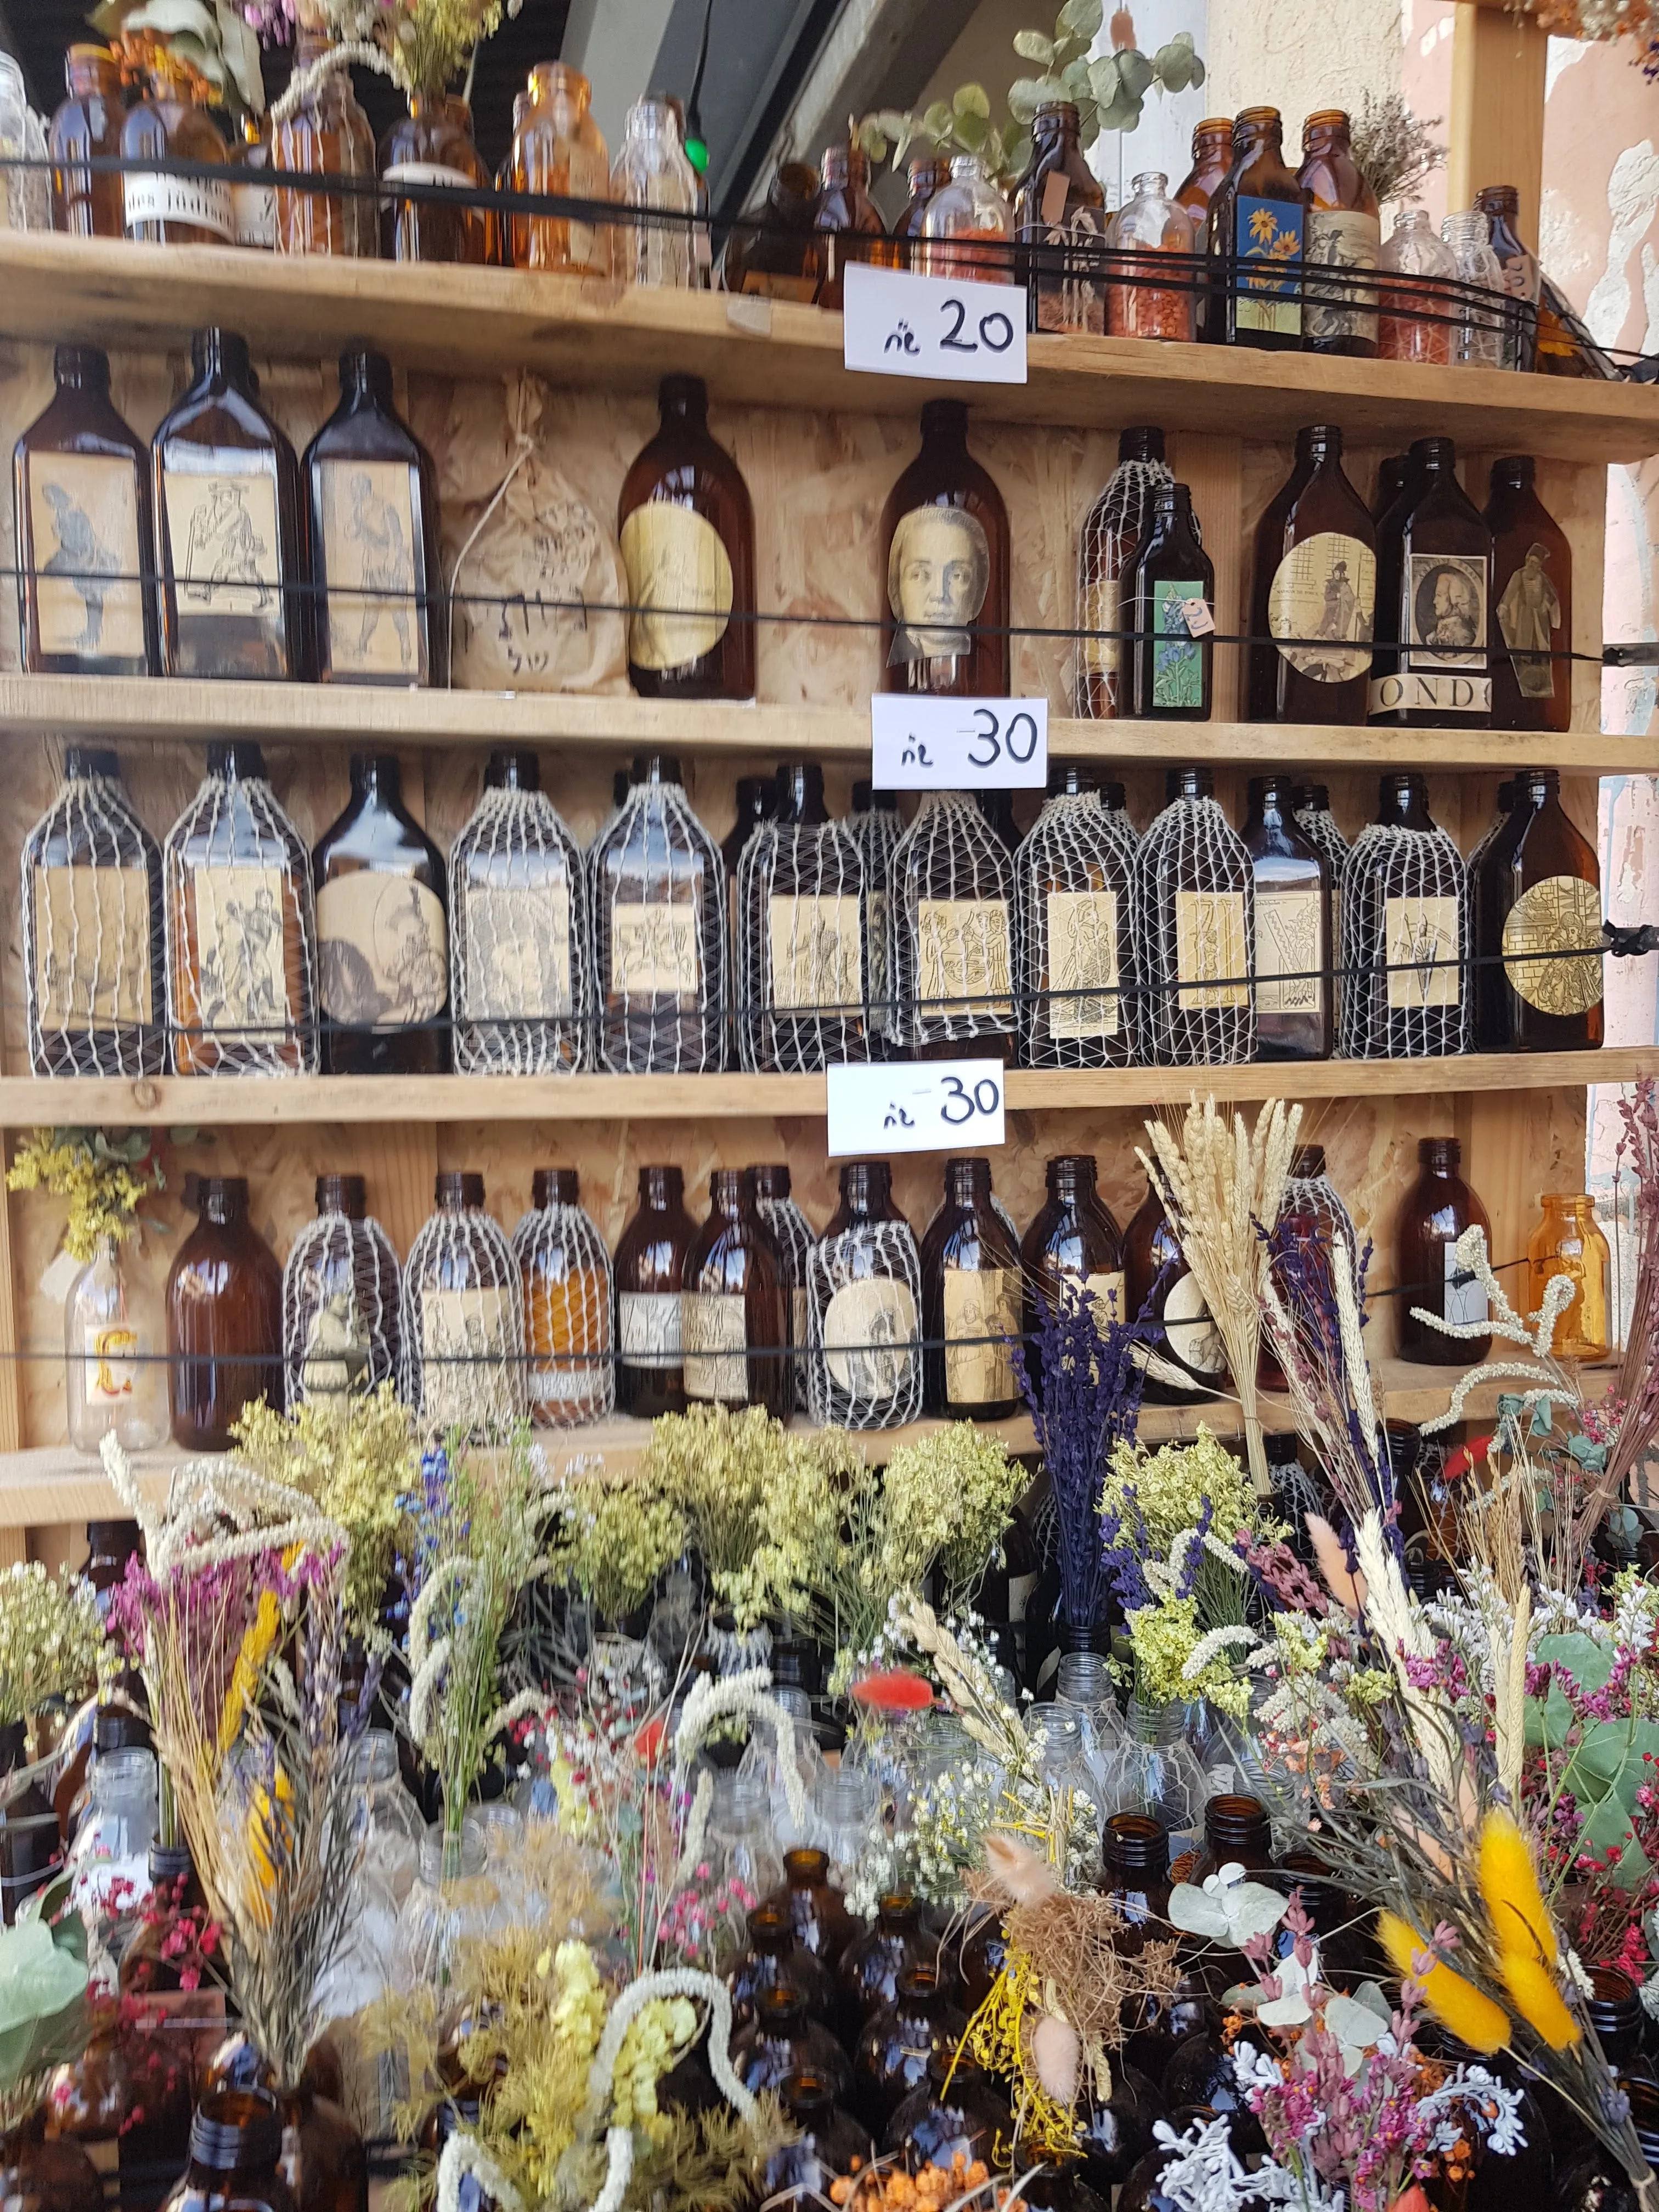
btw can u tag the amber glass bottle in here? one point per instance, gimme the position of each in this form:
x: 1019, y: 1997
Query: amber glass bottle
x: 1172, y: 666
x: 86, y: 125
x: 734, y: 1331
x: 1343, y: 232
x: 1435, y: 1214
x: 1060, y: 223
x: 327, y: 135
x: 559, y: 149
x: 1256, y: 241
x: 1391, y: 473
x: 1532, y: 603
x: 1108, y: 545
x: 650, y: 1272
x: 224, y: 1300
x: 567, y: 1304
x: 1433, y: 601
x: 944, y: 535
x: 971, y: 1304
x: 863, y: 1306
x: 1073, y: 1240
x: 1191, y: 1363
x: 687, y: 531
x: 377, y: 578
x: 382, y: 933
x: 847, y: 224
x: 1212, y: 156
x: 85, y: 574
x: 776, y: 258
x: 1292, y: 928
x: 926, y: 175
x: 229, y: 526
x: 1315, y: 589
x: 167, y: 122
x: 433, y: 144
x: 1539, y: 892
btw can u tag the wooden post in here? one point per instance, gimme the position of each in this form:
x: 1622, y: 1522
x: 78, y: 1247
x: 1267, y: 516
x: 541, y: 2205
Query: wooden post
x: 1497, y: 107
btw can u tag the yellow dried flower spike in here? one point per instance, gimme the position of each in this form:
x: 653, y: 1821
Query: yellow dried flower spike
x: 1538, y: 2001
x: 1473, y: 2017
x: 1515, y: 1904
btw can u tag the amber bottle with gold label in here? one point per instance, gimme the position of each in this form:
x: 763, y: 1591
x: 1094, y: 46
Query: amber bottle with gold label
x: 1313, y: 605
x: 733, y: 1323
x: 687, y: 532
x: 377, y: 580
x: 1532, y: 603
x: 86, y: 570
x: 382, y: 933
x: 945, y: 543
x: 972, y: 1301
x: 1537, y: 905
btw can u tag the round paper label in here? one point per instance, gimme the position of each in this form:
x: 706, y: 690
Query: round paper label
x: 1562, y: 914
x: 680, y: 583
x: 1324, y: 597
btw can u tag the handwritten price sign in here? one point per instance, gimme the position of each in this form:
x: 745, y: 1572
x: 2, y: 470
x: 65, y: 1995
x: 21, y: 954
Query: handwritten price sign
x: 897, y: 324
x: 934, y: 1107
x: 957, y: 744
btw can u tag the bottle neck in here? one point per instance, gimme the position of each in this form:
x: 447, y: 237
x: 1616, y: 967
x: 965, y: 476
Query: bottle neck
x: 220, y: 357
x: 1070, y: 1179
x: 660, y: 1189
x: 801, y: 793
x: 865, y: 1188
x: 378, y: 776
x: 366, y: 378
x: 725, y: 1192
x: 1441, y: 1157
x: 224, y: 1205
x: 1135, y: 1844
x: 968, y: 1182
x: 1232, y: 1825
x: 1403, y: 800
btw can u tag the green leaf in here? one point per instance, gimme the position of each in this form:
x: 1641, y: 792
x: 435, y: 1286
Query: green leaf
x: 1134, y: 72
x: 1121, y: 114
x: 972, y: 131
x: 971, y: 100
x: 43, y: 1987
x: 1176, y: 66
x: 1027, y: 93
x: 1017, y: 158
x: 240, y: 45
x: 1589, y: 1663
x: 1102, y: 75
x: 938, y: 120
x: 1077, y: 81
x: 1032, y: 46
x: 1613, y: 1761
x: 871, y: 143
x: 1081, y: 19
x: 1068, y: 50
x: 890, y: 122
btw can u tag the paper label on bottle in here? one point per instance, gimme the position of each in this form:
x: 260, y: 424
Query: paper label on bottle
x: 1323, y: 595
x: 224, y: 537
x: 1083, y: 976
x: 982, y: 1310
x: 799, y: 1316
x: 1345, y: 239
x: 518, y: 950
x: 427, y: 172
x: 961, y: 959
x: 253, y: 216
x: 880, y: 986
x: 649, y: 1328
x: 83, y: 518
x: 1102, y: 597
x: 151, y: 197
x: 1108, y: 1291
x: 383, y: 955
x: 817, y: 953
x: 1446, y: 611
x: 1177, y: 657
x: 1268, y: 244
x: 1193, y: 1338
x: 110, y: 1366
x: 653, y: 950
x: 1561, y: 914
x: 372, y: 614
x: 680, y: 584
x: 714, y: 1333
x: 92, y: 967
x: 870, y: 1338
x: 1211, y: 951
x: 338, y: 1347
x: 1529, y: 615
x: 587, y: 176
x: 1421, y: 941
x: 465, y: 1345
x: 1071, y: 292
x: 939, y: 572
x: 241, y: 915
x: 1438, y: 696
x: 1290, y: 950
x: 1466, y: 1299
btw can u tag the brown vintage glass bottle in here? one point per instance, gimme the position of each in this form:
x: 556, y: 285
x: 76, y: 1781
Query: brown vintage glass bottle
x: 732, y: 1324
x: 86, y: 125
x: 1532, y: 603
x: 1212, y: 156
x: 944, y: 542
x: 228, y: 527
x: 327, y: 135
x: 1433, y: 1215
x: 235, y: 2156
x: 1256, y: 239
x: 847, y: 224
x: 224, y: 1300
x: 972, y: 1307
x: 1171, y: 669
x: 85, y: 561
x: 776, y: 257
x: 167, y: 211
x: 1538, y: 893
x: 1314, y: 588
x: 559, y: 149
x: 377, y: 578
x: 1292, y: 886
x: 1060, y: 223
x: 1433, y: 601
x: 1190, y: 1363
x: 1074, y: 1241
x: 926, y: 175
x: 1108, y: 546
x: 650, y: 1275
x: 433, y: 144
x: 382, y: 933
x: 1343, y: 232
x: 687, y: 532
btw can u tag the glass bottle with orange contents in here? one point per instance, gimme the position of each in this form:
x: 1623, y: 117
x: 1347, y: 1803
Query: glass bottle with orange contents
x: 567, y: 1305
x: 847, y: 224
x: 327, y: 135
x: 559, y: 148
x: 967, y: 230
x: 433, y: 144
x: 1060, y: 219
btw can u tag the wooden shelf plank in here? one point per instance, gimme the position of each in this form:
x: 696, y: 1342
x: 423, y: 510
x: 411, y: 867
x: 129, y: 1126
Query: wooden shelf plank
x: 322, y: 1100
x: 191, y: 710
x: 759, y: 353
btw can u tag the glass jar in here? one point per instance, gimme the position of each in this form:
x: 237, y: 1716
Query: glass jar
x: 793, y: 1237
x: 224, y: 1300
x: 863, y: 1308
x: 945, y: 537
x: 433, y: 144
x: 451, y: 1900
x: 1155, y: 1771
x: 1432, y: 1217
x: 463, y: 1317
x: 30, y: 1850
x: 686, y: 532
x: 651, y: 172
x: 166, y: 210
x: 85, y: 203
x: 1151, y: 295
x: 775, y: 1958
x: 1064, y: 1740
x: 972, y: 1301
x: 1478, y: 311
x: 968, y: 229
x: 1567, y: 1241
x: 1237, y: 1832
x: 382, y: 932
x: 953, y: 2120
x: 342, y: 1298
x: 25, y: 193
x: 816, y: 1909
x: 1190, y: 1362
x: 893, y: 2047
x: 650, y: 1275
x: 236, y: 2155
x: 1083, y: 1686
x: 108, y: 1862
x: 660, y: 944
x: 781, y: 2039
x: 559, y: 149
x: 326, y: 135
x: 114, y: 1367
x: 847, y: 224
x: 1419, y: 312
x: 567, y: 1304
x: 1060, y: 223
x: 733, y: 1326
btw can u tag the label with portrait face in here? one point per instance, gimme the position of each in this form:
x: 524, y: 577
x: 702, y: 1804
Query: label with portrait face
x: 84, y: 517
x: 939, y: 572
x: 679, y: 584
x: 1324, y: 596
x: 369, y: 552
x: 1446, y: 611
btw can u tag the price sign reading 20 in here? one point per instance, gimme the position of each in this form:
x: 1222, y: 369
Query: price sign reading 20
x: 898, y: 324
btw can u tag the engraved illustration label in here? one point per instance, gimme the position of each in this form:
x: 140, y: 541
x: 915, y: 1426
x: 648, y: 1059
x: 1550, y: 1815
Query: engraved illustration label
x: 518, y: 952
x: 880, y: 987
x: 649, y: 1328
x: 680, y: 583
x: 92, y: 947
x: 1420, y: 944
x: 1466, y: 1295
x: 938, y: 570
x: 1177, y: 656
x: 962, y: 958
x: 714, y: 1336
x: 1289, y: 951
x: 374, y: 626
x: 1344, y: 307
x: 465, y: 1336
x: 253, y: 216
x: 654, y: 951
x: 110, y: 1364
x: 84, y: 514
x: 1108, y: 1289
x: 815, y: 950
x: 239, y: 942
x: 382, y: 951
x: 1530, y: 613
x: 981, y: 1321
x: 1446, y: 611
x: 1192, y: 1337
x: 1562, y: 914
x: 1267, y: 241
x: 869, y: 1339
x: 337, y: 1347
x: 1102, y: 597
x: 1324, y: 591
x: 222, y: 522
x: 151, y: 197
x: 1210, y: 950
x: 1082, y: 964
x: 797, y: 1316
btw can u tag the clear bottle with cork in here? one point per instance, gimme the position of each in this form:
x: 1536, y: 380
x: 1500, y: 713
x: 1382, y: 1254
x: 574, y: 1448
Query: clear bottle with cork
x: 734, y: 1334
x: 1434, y: 1214
x: 1060, y: 224
x: 863, y: 1308
x: 1292, y: 902
x: 566, y: 1272
x: 972, y: 1301
x: 1418, y: 304
x: 1257, y: 239
x: 1172, y: 672
x: 650, y: 1274
x: 651, y: 173
x: 1345, y: 233
x: 224, y: 1301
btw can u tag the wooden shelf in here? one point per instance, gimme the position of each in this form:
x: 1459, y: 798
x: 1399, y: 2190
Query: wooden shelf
x: 191, y: 710
x: 769, y: 354
x: 26, y: 1100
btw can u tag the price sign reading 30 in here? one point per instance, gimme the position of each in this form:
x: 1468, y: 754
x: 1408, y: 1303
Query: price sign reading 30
x: 919, y: 743
x: 897, y: 324
x: 934, y: 1107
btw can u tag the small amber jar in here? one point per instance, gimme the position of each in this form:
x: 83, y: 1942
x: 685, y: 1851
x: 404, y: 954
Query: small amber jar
x: 235, y: 2149
x: 85, y: 203
x: 327, y: 135
x: 1567, y: 1241
x: 433, y: 144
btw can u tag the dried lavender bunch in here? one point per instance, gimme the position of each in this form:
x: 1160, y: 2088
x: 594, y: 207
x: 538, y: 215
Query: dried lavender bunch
x: 1392, y: 148
x: 1313, y: 1316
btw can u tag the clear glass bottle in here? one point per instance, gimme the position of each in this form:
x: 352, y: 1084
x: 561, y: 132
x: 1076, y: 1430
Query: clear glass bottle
x: 952, y: 918
x: 686, y: 530
x: 1073, y: 878
x: 1406, y: 932
x: 650, y: 1273
x: 1195, y: 931
x: 1418, y: 310
x: 433, y: 144
x: 660, y: 946
x: 1477, y: 330
x: 342, y: 1298
x: 383, y: 933
x: 463, y: 1317
x: 876, y: 826
x: 972, y: 1307
x: 1108, y: 546
x: 1432, y: 1216
x: 651, y: 172
x: 1343, y: 232
x: 1152, y: 294
x: 863, y: 1308
x: 1292, y: 928
x: 744, y: 1863
x: 802, y: 932
x: 567, y: 1304
x: 1532, y: 603
x: 1257, y: 237
x: 167, y: 122
x: 1315, y: 587
x: 1434, y: 563
x: 327, y: 135
x: 86, y: 125
x: 111, y: 1851
x: 1523, y: 279
x: 558, y: 149
x: 114, y: 1363
x: 1569, y: 1242
x: 1060, y: 224
x: 242, y: 928
x: 1539, y: 893
x: 452, y: 1900
x: 1084, y: 1688
x: 847, y: 224
x: 1172, y: 668
x: 1156, y: 1772
x: 224, y: 1300
x: 733, y: 1325
x: 945, y: 538
x: 968, y: 228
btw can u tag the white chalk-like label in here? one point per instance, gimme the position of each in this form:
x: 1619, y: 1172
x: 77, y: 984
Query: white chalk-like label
x: 153, y: 199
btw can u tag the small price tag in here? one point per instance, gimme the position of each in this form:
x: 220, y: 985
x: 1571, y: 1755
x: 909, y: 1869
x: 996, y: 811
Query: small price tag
x: 897, y: 324
x: 1201, y: 622
x: 919, y: 743
x: 932, y: 1107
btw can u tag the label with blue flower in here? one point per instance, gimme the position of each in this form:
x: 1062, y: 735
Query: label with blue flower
x: 1268, y: 244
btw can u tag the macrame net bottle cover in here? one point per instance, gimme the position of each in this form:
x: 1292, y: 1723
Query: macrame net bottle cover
x: 802, y: 927
x: 1318, y: 825
x: 519, y: 944
x: 1309, y: 1189
x: 661, y: 945
x: 864, y: 1309
x: 463, y: 1318
x: 93, y: 929
x: 952, y: 941
x: 1406, y: 934
x: 1196, y: 944
x: 341, y: 1299
x: 876, y: 826
x: 241, y: 929
x: 1111, y: 532
x: 794, y: 1236
x: 1076, y: 891
x: 567, y: 1305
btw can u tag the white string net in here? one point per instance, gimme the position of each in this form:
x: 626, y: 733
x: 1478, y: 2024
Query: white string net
x: 864, y: 1318
x: 519, y: 951
x: 93, y: 934
x: 1406, y: 929
x: 342, y: 1296
x: 1318, y: 1195
x: 792, y: 1235
x: 241, y: 935
x: 1107, y: 544
x: 660, y: 946
x: 802, y: 928
x: 1075, y: 878
x: 567, y: 1306
x: 1195, y: 899
x: 953, y: 927
x: 1319, y: 826
x: 878, y: 831
x: 463, y: 1326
